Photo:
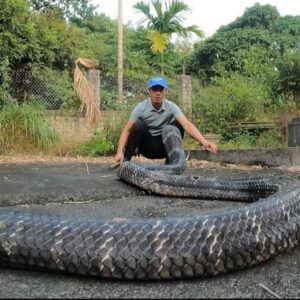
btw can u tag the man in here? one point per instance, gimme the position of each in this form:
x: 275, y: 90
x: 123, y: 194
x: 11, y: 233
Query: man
x: 143, y: 129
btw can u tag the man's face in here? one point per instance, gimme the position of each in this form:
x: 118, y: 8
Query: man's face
x: 157, y: 94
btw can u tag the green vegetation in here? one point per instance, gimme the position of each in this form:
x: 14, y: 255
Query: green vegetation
x: 97, y: 146
x: 164, y: 23
x: 23, y: 127
x: 251, y: 72
x: 105, y: 139
x: 248, y: 140
x: 248, y: 71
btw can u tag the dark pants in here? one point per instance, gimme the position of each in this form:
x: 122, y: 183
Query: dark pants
x: 140, y: 139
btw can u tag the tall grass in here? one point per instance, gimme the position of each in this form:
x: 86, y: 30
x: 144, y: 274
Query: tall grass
x: 23, y: 127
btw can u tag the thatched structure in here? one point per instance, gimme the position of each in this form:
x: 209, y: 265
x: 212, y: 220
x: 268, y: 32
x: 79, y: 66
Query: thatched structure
x: 86, y: 91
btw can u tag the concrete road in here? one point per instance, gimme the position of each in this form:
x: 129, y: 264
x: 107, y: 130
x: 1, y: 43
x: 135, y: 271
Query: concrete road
x: 94, y: 191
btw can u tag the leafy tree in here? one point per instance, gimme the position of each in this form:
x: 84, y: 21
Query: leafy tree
x: 17, y: 32
x: 231, y: 48
x: 289, y: 74
x: 287, y: 33
x: 27, y: 37
x: 184, y: 48
x: 222, y: 51
x: 257, y: 16
x: 288, y: 25
x: 59, y: 42
x: 287, y: 39
x: 67, y: 8
x: 100, y: 42
x: 252, y: 62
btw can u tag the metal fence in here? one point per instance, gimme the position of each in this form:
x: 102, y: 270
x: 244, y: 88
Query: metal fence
x: 134, y: 90
x: 55, y: 94
x: 25, y: 86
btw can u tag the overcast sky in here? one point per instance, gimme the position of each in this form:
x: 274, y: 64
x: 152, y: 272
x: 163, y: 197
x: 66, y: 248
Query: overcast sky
x: 208, y: 15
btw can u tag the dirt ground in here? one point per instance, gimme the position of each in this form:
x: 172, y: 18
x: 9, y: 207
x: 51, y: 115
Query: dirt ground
x: 194, y: 163
x: 87, y: 187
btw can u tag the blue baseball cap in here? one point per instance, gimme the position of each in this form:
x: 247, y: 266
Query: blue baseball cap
x: 157, y: 80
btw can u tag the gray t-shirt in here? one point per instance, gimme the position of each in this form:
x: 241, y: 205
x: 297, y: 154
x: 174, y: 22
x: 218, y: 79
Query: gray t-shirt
x: 153, y: 118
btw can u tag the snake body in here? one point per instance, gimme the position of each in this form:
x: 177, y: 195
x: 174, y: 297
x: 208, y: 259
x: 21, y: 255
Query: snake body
x: 161, y: 249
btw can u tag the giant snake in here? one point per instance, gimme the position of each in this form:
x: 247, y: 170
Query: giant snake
x: 167, y: 248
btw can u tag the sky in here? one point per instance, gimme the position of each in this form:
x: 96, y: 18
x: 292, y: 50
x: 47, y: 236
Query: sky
x: 208, y: 15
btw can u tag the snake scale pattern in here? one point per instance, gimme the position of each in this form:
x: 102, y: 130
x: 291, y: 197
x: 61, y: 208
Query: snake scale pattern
x: 161, y: 249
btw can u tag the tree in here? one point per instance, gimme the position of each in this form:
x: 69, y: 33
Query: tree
x: 287, y: 33
x: 231, y: 47
x: 220, y: 54
x: 184, y: 48
x: 68, y: 8
x: 257, y: 16
x: 17, y: 32
x: 164, y: 23
x: 289, y: 74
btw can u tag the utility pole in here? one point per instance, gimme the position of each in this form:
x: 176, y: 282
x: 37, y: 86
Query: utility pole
x: 120, y: 51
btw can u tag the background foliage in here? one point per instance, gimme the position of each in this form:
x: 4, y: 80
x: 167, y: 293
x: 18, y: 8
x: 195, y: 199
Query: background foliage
x: 248, y: 71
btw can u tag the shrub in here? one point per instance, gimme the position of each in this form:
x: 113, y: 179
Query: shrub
x: 239, y: 140
x: 256, y: 139
x: 231, y: 100
x: 97, y: 146
x: 113, y: 124
x: 270, y: 139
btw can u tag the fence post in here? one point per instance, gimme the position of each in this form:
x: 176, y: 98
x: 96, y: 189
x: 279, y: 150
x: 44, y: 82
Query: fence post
x: 93, y: 77
x: 185, y: 94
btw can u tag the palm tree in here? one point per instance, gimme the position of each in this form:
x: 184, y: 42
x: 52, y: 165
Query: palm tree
x: 164, y: 23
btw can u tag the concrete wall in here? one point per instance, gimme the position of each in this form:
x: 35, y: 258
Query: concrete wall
x: 276, y: 157
x: 73, y: 130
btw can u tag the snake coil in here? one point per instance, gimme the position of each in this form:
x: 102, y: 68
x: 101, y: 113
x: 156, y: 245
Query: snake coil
x: 161, y: 249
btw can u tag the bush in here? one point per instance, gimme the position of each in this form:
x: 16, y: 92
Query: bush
x: 256, y: 139
x: 105, y: 139
x: 239, y: 140
x: 97, y: 146
x: 113, y: 124
x: 270, y: 140
x: 231, y: 100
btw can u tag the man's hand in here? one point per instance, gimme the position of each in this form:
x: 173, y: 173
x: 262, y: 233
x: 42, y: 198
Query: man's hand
x: 211, y: 147
x: 119, y: 158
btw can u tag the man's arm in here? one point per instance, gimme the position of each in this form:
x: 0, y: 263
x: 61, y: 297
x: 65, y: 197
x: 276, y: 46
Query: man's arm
x: 123, y: 141
x: 193, y: 132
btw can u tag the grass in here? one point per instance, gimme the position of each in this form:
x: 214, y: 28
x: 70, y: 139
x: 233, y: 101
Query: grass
x: 23, y: 127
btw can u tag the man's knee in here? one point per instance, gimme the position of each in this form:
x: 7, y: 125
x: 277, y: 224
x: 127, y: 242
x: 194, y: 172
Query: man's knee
x: 178, y: 125
x: 172, y: 129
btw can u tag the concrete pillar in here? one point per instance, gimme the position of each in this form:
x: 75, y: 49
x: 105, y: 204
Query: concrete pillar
x: 93, y: 77
x: 185, y: 94
x: 294, y: 133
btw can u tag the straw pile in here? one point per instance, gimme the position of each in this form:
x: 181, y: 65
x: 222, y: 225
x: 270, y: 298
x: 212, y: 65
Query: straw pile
x: 86, y: 91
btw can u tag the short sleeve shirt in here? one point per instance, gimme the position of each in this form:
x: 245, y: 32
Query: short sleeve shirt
x: 153, y: 118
